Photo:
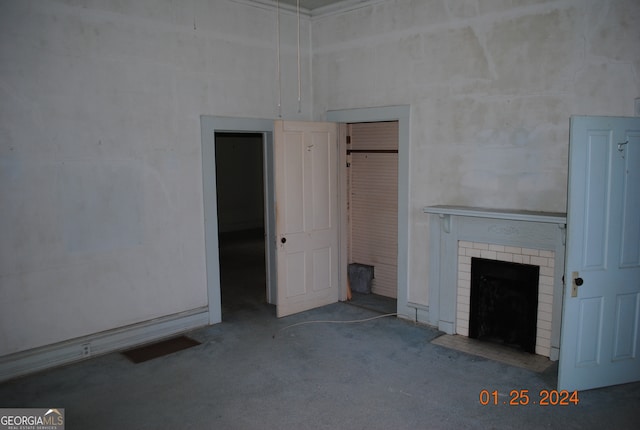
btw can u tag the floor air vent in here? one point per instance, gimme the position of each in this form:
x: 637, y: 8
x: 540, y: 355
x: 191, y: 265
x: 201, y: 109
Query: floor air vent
x: 159, y: 349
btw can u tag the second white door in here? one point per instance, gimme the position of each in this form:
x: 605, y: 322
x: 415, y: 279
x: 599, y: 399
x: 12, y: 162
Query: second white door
x: 306, y: 215
x: 601, y: 310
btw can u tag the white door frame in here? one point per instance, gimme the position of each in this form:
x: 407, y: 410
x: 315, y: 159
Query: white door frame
x: 209, y: 126
x: 378, y: 114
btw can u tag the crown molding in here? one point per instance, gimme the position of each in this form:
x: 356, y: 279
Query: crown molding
x: 272, y: 5
x: 342, y: 7
x: 332, y: 9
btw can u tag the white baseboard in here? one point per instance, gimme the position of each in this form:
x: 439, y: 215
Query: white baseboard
x: 25, y: 362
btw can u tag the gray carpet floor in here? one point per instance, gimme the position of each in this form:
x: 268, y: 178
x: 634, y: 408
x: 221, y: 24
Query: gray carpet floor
x: 254, y: 371
x: 259, y: 373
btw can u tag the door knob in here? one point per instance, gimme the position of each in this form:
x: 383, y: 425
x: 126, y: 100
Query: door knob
x: 576, y: 282
x: 283, y: 240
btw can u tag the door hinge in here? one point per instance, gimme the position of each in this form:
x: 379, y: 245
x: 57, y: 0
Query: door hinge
x: 348, y: 139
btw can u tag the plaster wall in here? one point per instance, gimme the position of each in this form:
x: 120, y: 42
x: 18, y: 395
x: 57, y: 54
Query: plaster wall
x: 491, y: 85
x: 101, y: 206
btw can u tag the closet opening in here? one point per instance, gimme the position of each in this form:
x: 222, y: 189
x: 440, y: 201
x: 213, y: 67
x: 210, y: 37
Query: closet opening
x: 372, y: 213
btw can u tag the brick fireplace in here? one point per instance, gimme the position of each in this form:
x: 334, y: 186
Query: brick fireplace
x: 459, y: 234
x: 544, y: 259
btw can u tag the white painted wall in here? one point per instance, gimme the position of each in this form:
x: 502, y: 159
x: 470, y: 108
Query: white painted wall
x: 101, y: 210
x: 101, y: 213
x: 491, y: 85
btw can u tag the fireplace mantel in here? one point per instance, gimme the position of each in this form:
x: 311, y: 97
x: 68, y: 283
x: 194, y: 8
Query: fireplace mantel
x: 507, y: 214
x: 501, y: 230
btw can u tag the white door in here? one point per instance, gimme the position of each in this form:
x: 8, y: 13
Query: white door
x: 601, y: 310
x: 306, y: 215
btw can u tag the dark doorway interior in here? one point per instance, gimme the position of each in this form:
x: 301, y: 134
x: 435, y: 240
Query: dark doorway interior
x: 241, y: 234
x: 242, y: 272
x: 504, y: 303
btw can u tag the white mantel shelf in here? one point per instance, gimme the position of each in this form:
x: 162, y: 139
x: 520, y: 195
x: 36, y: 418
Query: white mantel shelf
x: 508, y: 214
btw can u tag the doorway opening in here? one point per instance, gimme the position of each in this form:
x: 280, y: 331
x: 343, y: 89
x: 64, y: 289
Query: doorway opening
x: 372, y: 212
x: 240, y: 191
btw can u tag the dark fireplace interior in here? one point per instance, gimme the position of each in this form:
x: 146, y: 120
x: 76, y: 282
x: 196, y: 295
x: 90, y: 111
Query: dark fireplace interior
x: 504, y: 303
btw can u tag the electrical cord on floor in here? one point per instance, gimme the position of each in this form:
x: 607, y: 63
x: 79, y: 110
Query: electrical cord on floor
x: 336, y: 322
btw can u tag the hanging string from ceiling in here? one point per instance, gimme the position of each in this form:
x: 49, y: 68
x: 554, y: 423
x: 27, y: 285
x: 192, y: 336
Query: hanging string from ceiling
x: 299, y: 76
x: 278, y: 59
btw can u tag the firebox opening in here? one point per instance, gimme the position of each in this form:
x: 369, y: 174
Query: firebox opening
x: 504, y: 303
